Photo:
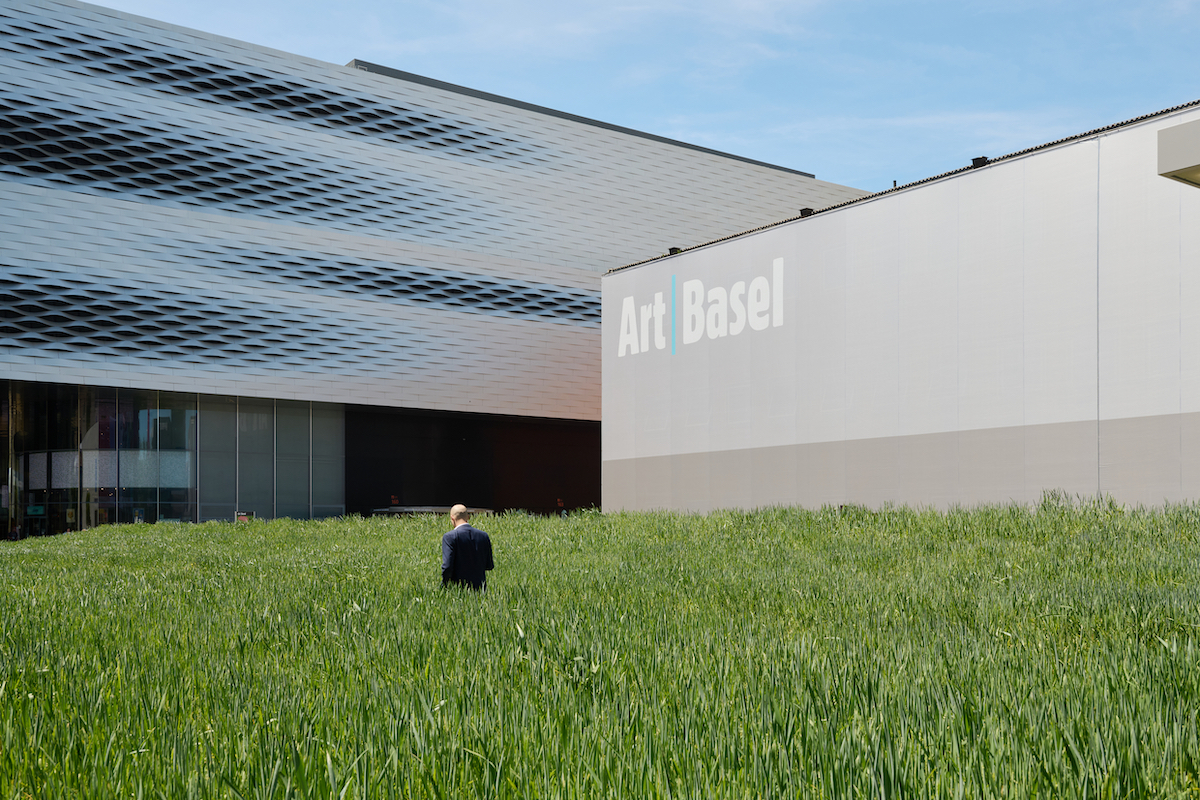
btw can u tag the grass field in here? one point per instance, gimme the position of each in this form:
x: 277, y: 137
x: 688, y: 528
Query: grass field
x: 1045, y: 652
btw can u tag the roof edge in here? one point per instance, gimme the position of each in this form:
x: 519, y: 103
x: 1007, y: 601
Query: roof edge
x: 931, y: 179
x: 389, y: 72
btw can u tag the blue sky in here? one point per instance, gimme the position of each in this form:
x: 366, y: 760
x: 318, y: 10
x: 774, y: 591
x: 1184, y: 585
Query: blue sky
x: 860, y: 92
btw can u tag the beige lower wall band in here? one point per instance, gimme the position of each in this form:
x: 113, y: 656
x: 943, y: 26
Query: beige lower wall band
x: 1143, y: 460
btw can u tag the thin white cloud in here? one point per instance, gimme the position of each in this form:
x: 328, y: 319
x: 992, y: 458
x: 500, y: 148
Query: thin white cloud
x: 512, y: 29
x: 990, y: 133
x: 858, y: 150
x: 555, y: 29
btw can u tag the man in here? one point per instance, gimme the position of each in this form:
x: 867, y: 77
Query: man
x: 466, y: 552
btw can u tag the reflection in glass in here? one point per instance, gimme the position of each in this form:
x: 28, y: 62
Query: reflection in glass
x: 137, y: 420
x: 292, y: 426
x: 35, y: 473
x: 62, y: 417
x: 7, y: 519
x: 176, y: 421
x: 174, y: 469
x: 86, y: 456
x: 99, y: 469
x: 329, y: 460
x: 64, y: 470
x: 218, y: 457
x: 138, y: 469
x: 256, y: 457
x: 98, y: 443
x: 98, y: 408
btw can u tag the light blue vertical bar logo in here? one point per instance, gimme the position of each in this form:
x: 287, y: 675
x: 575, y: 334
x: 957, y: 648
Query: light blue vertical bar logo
x: 672, y: 315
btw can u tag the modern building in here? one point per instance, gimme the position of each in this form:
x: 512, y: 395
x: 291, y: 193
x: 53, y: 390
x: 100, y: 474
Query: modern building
x: 238, y: 280
x: 1022, y: 324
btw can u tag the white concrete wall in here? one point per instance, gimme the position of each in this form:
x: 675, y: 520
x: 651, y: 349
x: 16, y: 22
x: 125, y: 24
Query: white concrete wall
x: 1023, y: 326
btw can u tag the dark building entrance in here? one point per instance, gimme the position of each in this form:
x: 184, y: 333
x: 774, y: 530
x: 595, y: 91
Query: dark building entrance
x: 418, y: 458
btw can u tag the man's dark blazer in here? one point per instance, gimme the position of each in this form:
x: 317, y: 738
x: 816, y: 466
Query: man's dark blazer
x: 466, y: 557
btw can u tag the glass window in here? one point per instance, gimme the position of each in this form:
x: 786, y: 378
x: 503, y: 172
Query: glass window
x: 98, y: 412
x: 35, y: 472
x: 29, y: 418
x: 293, y: 443
x: 64, y: 469
x: 137, y: 498
x: 62, y: 418
x: 99, y: 487
x: 176, y: 421
x: 328, y: 459
x: 137, y: 455
x: 7, y: 518
x: 256, y: 457
x: 138, y: 469
x: 217, y: 433
x: 98, y: 455
x: 177, y: 467
x: 137, y: 420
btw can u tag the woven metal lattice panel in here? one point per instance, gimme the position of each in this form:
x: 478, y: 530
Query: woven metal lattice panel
x: 60, y: 144
x: 133, y: 61
x: 380, y: 281
x: 123, y: 316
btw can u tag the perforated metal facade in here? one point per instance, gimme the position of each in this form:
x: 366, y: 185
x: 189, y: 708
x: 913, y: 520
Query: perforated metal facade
x: 185, y: 213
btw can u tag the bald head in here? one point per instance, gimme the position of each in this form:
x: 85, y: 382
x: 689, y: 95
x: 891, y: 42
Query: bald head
x: 459, y: 514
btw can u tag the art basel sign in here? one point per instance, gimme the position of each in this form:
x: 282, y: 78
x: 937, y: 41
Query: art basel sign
x: 697, y: 314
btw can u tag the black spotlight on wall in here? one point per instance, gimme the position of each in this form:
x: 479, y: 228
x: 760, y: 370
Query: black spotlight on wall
x: 806, y: 212
x: 979, y: 162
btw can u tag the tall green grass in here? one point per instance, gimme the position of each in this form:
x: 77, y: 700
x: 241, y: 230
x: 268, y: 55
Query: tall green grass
x: 1003, y: 651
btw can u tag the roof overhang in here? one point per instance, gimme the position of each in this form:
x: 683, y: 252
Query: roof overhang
x: 1179, y: 153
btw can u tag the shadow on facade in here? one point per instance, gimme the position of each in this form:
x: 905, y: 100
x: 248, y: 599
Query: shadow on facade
x: 417, y: 458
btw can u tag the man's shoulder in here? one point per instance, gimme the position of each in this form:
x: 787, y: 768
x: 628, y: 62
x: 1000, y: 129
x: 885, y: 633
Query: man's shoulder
x: 463, y: 530
x: 472, y: 533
